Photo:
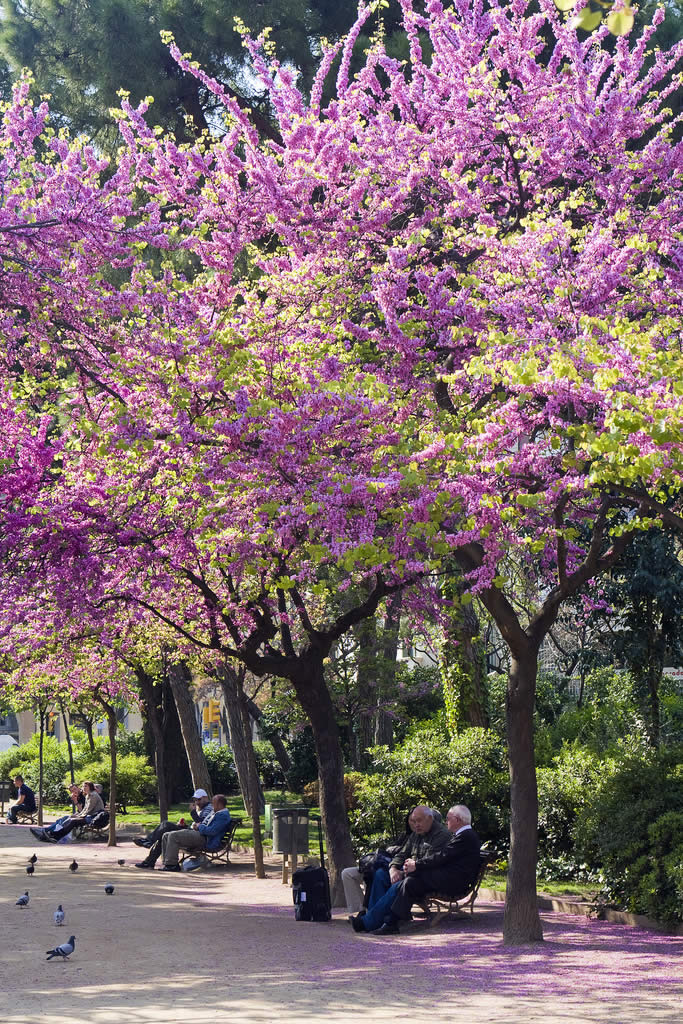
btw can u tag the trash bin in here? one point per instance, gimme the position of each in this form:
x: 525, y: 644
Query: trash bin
x: 290, y: 830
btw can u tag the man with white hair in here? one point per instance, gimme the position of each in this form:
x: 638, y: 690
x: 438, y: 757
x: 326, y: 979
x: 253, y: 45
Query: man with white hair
x: 450, y: 870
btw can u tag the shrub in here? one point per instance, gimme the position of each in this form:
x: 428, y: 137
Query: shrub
x: 269, y: 768
x: 221, y: 764
x: 631, y: 829
x: 431, y: 769
x: 304, y: 764
x: 353, y: 782
x: 564, y: 789
x: 135, y: 780
x: 25, y: 760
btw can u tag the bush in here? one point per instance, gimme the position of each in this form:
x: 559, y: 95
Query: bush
x: 631, y: 829
x: 25, y: 760
x: 304, y: 764
x: 269, y: 768
x: 353, y: 782
x: 221, y: 764
x: 135, y: 780
x: 431, y: 769
x: 564, y: 789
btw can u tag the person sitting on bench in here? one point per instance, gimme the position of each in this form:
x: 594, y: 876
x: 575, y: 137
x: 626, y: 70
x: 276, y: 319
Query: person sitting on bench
x: 26, y: 802
x: 204, y: 835
x: 450, y: 870
x: 92, y: 807
x: 200, y: 809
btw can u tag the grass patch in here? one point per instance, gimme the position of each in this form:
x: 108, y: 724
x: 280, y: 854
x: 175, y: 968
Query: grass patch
x: 147, y: 817
x: 546, y: 887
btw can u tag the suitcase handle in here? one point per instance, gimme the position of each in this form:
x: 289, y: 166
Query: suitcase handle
x: 320, y: 841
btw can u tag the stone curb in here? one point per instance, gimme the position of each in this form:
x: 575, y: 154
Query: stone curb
x: 583, y: 908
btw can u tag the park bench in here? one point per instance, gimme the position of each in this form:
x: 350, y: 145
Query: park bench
x: 93, y: 830
x: 27, y: 816
x: 222, y: 854
x: 439, y: 907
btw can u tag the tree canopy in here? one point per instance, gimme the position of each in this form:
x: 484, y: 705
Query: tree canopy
x: 437, y: 322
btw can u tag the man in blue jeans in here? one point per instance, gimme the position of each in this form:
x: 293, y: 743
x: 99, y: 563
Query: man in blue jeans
x: 204, y: 835
x: 450, y: 870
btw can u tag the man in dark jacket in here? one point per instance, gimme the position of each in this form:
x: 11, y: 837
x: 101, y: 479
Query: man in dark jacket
x: 450, y: 870
x: 427, y: 836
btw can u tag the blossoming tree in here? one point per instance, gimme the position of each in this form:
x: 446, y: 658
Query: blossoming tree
x: 439, y: 322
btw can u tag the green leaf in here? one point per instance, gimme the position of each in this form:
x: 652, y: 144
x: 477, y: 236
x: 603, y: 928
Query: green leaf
x: 587, y: 20
x: 565, y: 5
x: 621, y: 22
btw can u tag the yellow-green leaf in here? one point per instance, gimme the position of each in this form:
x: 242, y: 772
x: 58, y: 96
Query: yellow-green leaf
x: 621, y: 22
x: 587, y: 19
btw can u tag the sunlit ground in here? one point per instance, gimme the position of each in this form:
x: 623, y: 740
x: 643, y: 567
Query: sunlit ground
x: 220, y: 945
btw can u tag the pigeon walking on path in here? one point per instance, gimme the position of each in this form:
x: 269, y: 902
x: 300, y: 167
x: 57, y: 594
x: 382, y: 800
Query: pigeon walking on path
x: 30, y: 869
x: 23, y: 900
x: 65, y: 950
x: 32, y: 859
x: 109, y: 889
x: 73, y: 866
x: 59, y: 915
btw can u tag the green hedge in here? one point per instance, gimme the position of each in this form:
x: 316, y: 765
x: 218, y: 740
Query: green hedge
x: 631, y: 828
x: 135, y: 780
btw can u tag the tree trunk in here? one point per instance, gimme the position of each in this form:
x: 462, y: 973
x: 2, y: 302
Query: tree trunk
x: 272, y: 735
x: 240, y: 741
x: 112, y: 725
x: 188, y: 725
x: 41, y: 743
x: 368, y: 678
x: 255, y: 789
x: 522, y: 922
x: 383, y: 723
x: 474, y: 702
x: 69, y: 746
x: 151, y: 700
x: 314, y: 697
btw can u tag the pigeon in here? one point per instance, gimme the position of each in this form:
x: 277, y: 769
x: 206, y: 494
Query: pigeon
x: 59, y: 915
x: 120, y: 863
x: 32, y: 859
x: 109, y: 889
x: 65, y: 950
x: 30, y: 869
x: 23, y: 900
x: 73, y: 866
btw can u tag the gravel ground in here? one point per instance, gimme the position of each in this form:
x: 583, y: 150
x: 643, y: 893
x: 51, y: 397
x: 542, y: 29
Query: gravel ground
x: 222, y: 946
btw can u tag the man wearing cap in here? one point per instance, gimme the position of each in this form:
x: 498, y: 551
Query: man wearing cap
x: 200, y: 809
x: 204, y: 835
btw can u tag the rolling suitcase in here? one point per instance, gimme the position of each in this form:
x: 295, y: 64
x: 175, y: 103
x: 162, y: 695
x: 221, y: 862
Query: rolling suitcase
x: 311, y: 889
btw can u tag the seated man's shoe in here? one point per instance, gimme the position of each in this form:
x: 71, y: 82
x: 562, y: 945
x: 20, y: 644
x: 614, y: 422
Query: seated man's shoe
x: 357, y: 924
x: 145, y: 864
x: 386, y: 929
x: 38, y: 833
x: 171, y: 867
x: 49, y: 837
x: 141, y: 842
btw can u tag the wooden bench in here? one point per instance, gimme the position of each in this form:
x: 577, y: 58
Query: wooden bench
x: 222, y: 854
x: 439, y: 907
x: 92, y: 830
x: 28, y: 816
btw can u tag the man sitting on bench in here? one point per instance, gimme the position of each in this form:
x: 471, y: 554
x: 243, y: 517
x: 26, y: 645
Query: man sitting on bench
x: 451, y: 871
x: 92, y: 807
x: 204, y: 835
x: 26, y: 802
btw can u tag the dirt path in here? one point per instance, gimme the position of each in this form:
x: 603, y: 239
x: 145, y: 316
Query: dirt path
x: 222, y: 946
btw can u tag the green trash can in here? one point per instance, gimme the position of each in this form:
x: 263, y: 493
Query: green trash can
x: 290, y: 830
